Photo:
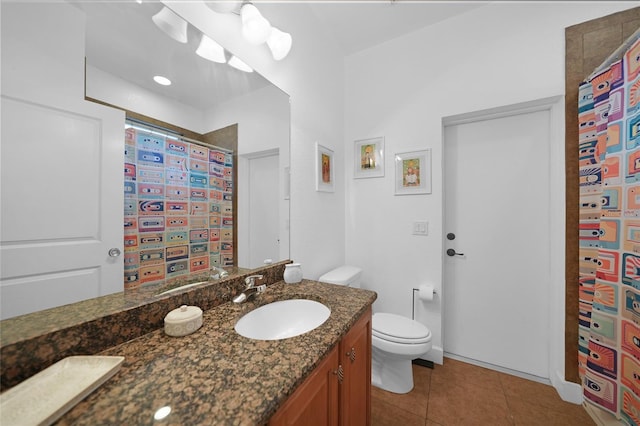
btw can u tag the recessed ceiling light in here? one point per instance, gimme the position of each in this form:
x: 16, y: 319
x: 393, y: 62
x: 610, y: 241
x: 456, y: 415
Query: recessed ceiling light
x: 162, y: 80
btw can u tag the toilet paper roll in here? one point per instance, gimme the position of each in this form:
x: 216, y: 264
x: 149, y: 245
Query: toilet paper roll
x: 425, y: 292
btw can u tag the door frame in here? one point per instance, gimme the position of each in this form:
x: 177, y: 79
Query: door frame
x: 568, y: 391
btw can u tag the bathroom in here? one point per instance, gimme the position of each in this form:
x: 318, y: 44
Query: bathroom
x: 337, y: 99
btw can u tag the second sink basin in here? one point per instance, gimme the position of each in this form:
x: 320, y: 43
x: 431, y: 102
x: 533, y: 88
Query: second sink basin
x: 282, y: 319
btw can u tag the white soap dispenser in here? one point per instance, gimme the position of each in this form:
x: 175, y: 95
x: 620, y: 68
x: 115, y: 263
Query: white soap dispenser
x: 292, y: 273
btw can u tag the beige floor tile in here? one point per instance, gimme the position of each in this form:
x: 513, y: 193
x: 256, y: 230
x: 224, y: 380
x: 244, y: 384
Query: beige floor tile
x: 465, y: 375
x: 461, y: 394
x: 528, y: 414
x: 385, y: 414
x: 415, y: 401
x: 533, y: 392
x: 453, y: 404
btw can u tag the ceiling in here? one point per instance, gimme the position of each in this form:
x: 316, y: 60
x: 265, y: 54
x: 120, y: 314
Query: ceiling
x: 122, y: 40
x: 358, y: 25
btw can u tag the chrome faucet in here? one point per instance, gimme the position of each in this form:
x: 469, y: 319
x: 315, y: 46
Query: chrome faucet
x: 251, y: 289
x: 217, y: 273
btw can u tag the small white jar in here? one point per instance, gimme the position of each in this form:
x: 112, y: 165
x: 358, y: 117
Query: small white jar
x: 183, y: 321
x: 292, y: 273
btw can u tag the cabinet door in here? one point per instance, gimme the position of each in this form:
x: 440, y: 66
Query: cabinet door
x: 355, y: 358
x: 315, y: 402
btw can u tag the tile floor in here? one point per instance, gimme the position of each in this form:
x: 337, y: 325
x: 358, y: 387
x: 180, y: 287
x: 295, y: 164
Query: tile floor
x: 458, y: 393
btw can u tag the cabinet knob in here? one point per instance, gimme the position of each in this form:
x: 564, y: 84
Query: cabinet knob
x: 352, y: 354
x: 340, y: 373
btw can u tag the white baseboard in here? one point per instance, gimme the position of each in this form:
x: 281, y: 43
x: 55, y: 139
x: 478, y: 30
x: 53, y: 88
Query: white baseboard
x: 494, y: 367
x: 568, y: 391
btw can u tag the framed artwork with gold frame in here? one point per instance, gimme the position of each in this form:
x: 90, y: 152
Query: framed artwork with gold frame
x: 413, y: 172
x: 369, y: 158
x: 325, y: 169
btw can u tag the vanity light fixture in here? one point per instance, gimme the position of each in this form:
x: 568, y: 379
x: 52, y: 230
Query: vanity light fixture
x: 223, y: 6
x: 173, y: 25
x: 255, y: 27
x: 279, y: 43
x: 238, y: 64
x: 209, y: 49
x: 162, y: 80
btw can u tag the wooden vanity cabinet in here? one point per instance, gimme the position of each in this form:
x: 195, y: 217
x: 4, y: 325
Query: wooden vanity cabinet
x: 355, y: 359
x: 315, y: 402
x: 338, y: 391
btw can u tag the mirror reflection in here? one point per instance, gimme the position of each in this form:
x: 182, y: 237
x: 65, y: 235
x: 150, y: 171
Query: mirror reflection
x: 125, y: 50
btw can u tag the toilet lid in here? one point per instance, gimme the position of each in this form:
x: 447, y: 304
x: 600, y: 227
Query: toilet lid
x: 396, y: 328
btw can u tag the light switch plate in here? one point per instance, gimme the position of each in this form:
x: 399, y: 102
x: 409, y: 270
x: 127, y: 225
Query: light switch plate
x: 421, y: 228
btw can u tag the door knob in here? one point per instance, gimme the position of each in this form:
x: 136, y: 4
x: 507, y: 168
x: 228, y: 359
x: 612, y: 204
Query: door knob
x: 114, y: 252
x: 451, y: 236
x: 452, y: 252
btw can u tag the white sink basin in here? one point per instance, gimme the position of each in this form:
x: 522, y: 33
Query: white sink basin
x: 282, y: 319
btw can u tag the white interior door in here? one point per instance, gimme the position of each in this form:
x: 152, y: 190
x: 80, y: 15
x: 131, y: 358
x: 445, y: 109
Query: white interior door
x: 61, y: 207
x: 496, y: 290
x: 264, y: 213
x: 61, y: 171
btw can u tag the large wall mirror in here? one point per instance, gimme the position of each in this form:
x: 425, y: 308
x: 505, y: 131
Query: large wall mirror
x: 124, y: 49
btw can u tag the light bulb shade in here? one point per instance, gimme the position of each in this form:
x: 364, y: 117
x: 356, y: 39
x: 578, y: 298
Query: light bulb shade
x: 223, y: 6
x: 279, y: 43
x: 255, y: 28
x: 211, y: 50
x: 248, y: 11
x: 173, y: 25
x: 238, y: 64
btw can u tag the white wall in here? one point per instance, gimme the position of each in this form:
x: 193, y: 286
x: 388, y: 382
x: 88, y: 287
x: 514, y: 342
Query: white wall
x: 312, y: 75
x: 499, y: 54
x: 263, y: 120
x: 267, y: 110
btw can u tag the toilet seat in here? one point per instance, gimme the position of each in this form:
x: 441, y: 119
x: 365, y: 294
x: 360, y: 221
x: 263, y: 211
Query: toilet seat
x: 398, y: 329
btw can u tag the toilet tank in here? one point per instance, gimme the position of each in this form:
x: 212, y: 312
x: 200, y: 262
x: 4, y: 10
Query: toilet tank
x: 344, y: 275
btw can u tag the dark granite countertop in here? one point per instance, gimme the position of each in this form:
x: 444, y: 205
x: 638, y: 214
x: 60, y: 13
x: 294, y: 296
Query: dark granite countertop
x: 215, y: 376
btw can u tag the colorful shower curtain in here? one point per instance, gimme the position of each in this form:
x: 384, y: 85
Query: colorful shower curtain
x: 609, y: 318
x: 178, y: 211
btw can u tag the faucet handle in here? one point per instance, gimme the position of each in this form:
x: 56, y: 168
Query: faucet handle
x: 250, y: 280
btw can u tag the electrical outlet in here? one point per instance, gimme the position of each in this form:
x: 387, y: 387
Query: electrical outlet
x: 421, y: 228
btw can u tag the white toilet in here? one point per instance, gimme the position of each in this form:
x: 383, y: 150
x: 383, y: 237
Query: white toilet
x: 396, y: 340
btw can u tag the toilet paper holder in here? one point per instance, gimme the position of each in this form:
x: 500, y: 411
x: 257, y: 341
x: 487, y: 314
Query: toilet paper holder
x: 413, y: 302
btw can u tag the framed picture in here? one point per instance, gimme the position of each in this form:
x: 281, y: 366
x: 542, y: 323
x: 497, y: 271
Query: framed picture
x: 413, y: 172
x: 325, y: 173
x: 369, y: 158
